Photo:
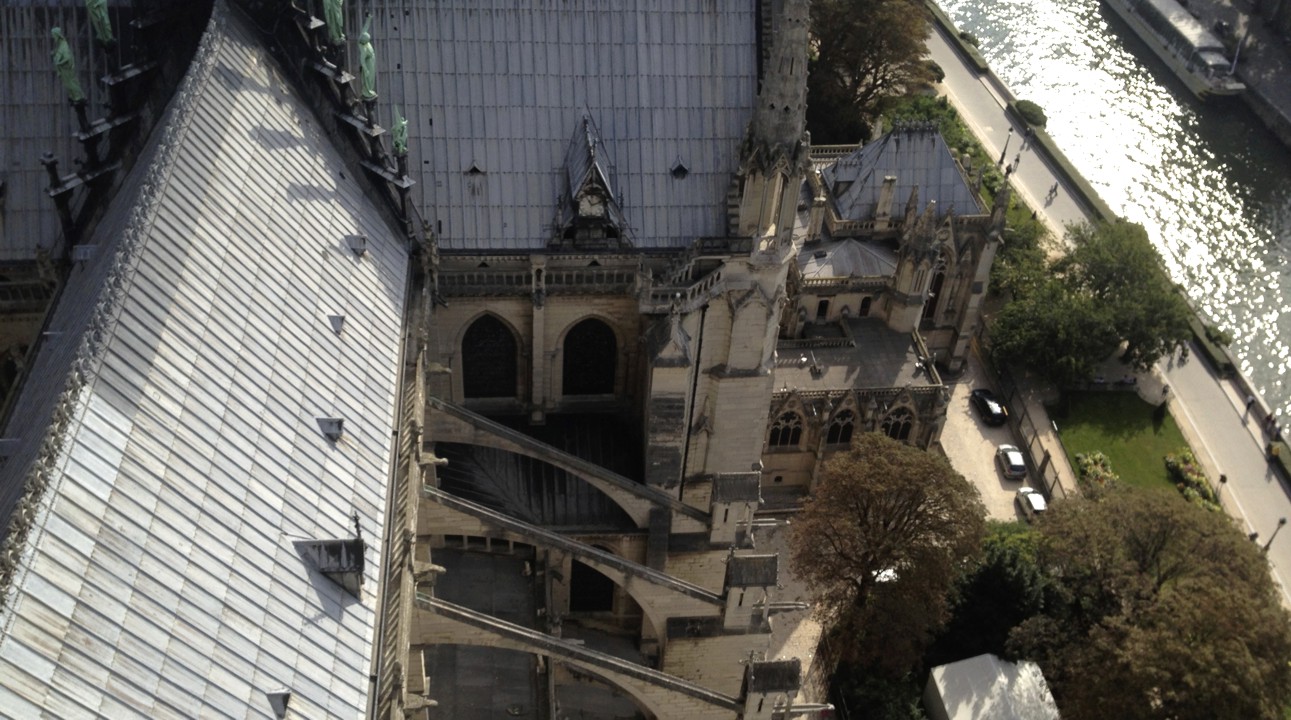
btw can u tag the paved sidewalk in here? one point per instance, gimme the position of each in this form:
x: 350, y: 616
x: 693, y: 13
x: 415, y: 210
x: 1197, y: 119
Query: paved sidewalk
x: 1210, y: 411
x: 982, y: 109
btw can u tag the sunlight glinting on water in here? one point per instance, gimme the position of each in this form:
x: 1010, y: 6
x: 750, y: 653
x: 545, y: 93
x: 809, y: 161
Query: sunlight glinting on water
x: 1210, y: 184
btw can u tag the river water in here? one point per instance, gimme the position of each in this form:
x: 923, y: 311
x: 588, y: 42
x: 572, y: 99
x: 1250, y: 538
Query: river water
x: 1211, y: 185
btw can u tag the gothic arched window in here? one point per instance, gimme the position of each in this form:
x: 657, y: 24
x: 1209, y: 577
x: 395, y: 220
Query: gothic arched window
x: 934, y: 294
x: 489, y: 359
x: 898, y: 424
x: 786, y: 431
x: 840, y: 429
x: 590, y: 355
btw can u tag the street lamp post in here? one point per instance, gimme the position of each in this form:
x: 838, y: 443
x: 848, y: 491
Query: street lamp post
x: 1005, y: 151
x: 1219, y: 496
x: 1281, y: 522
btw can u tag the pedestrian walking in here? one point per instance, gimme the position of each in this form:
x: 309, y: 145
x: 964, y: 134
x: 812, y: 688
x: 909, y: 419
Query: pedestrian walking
x: 1026, y: 142
x: 1269, y: 421
x: 1250, y: 400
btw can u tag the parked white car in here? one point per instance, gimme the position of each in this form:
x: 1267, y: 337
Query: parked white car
x: 1009, y: 458
x: 1031, y: 503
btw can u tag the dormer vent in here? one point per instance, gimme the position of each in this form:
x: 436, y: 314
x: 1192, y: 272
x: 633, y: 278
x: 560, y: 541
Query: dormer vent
x: 332, y: 428
x: 680, y: 171
x: 337, y: 322
x: 358, y: 244
x: 278, y: 701
x: 341, y: 560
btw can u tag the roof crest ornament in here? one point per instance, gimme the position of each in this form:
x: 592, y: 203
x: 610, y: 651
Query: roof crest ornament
x: 98, y: 10
x: 367, y: 62
x: 334, y: 17
x: 65, y: 66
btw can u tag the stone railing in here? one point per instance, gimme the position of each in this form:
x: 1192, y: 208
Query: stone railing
x: 485, y: 282
x: 684, y: 299
x: 573, y: 281
x: 868, y: 283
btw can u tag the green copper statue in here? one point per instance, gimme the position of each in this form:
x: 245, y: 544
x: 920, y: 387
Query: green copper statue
x: 367, y: 63
x: 98, y: 10
x: 65, y: 66
x: 334, y: 17
x: 399, y: 134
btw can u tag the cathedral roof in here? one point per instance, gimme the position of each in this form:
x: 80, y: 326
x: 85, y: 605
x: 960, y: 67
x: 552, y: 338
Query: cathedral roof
x: 497, y: 86
x: 169, y: 442
x: 919, y: 159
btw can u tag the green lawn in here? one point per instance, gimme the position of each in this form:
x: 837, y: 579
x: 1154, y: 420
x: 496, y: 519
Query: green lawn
x: 1120, y: 424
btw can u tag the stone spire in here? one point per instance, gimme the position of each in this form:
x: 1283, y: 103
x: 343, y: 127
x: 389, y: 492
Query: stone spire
x: 773, y: 157
x: 780, y: 118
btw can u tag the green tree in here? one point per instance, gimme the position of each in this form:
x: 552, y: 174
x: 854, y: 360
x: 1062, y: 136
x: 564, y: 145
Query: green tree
x: 865, y: 52
x: 1116, y: 264
x: 881, y: 543
x: 1158, y: 610
x: 1110, y: 287
x: 1006, y: 588
x: 1063, y: 334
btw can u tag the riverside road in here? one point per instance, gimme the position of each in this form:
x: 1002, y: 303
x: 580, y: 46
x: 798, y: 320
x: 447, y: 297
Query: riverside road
x: 1211, y: 411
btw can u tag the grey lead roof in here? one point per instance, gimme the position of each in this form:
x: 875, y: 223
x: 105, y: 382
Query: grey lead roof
x: 161, y: 577
x: 918, y: 158
x: 502, y: 86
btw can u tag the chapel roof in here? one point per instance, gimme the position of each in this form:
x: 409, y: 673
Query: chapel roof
x: 918, y: 158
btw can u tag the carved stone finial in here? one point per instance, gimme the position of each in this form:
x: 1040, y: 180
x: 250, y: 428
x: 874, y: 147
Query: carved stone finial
x: 399, y: 133
x: 334, y: 17
x: 98, y: 10
x: 65, y: 65
x: 367, y: 63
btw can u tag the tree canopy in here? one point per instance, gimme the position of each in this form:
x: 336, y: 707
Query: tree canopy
x: 1155, y: 609
x: 881, y: 543
x: 864, y: 52
x: 1109, y: 287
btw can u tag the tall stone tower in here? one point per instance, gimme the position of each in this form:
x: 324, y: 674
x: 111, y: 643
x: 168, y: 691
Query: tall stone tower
x: 741, y: 327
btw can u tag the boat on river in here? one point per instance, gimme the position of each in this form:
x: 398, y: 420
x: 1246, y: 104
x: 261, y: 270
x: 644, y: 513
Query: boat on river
x: 1194, y: 53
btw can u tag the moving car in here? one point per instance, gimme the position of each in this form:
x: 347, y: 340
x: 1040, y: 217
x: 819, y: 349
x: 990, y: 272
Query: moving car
x: 989, y: 407
x: 1011, y: 463
x: 1030, y: 502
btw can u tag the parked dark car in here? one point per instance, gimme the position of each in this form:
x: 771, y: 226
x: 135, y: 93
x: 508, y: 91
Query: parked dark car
x: 990, y: 408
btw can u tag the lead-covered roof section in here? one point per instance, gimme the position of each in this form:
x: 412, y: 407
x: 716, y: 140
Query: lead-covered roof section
x: 498, y: 86
x: 918, y: 158
x: 160, y: 576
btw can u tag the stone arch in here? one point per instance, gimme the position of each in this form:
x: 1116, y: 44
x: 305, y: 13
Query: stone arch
x: 934, y: 296
x: 490, y: 358
x: 590, y: 350
x: 590, y: 590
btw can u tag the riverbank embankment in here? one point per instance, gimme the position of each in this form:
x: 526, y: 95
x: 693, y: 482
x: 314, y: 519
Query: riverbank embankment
x: 1217, y: 356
